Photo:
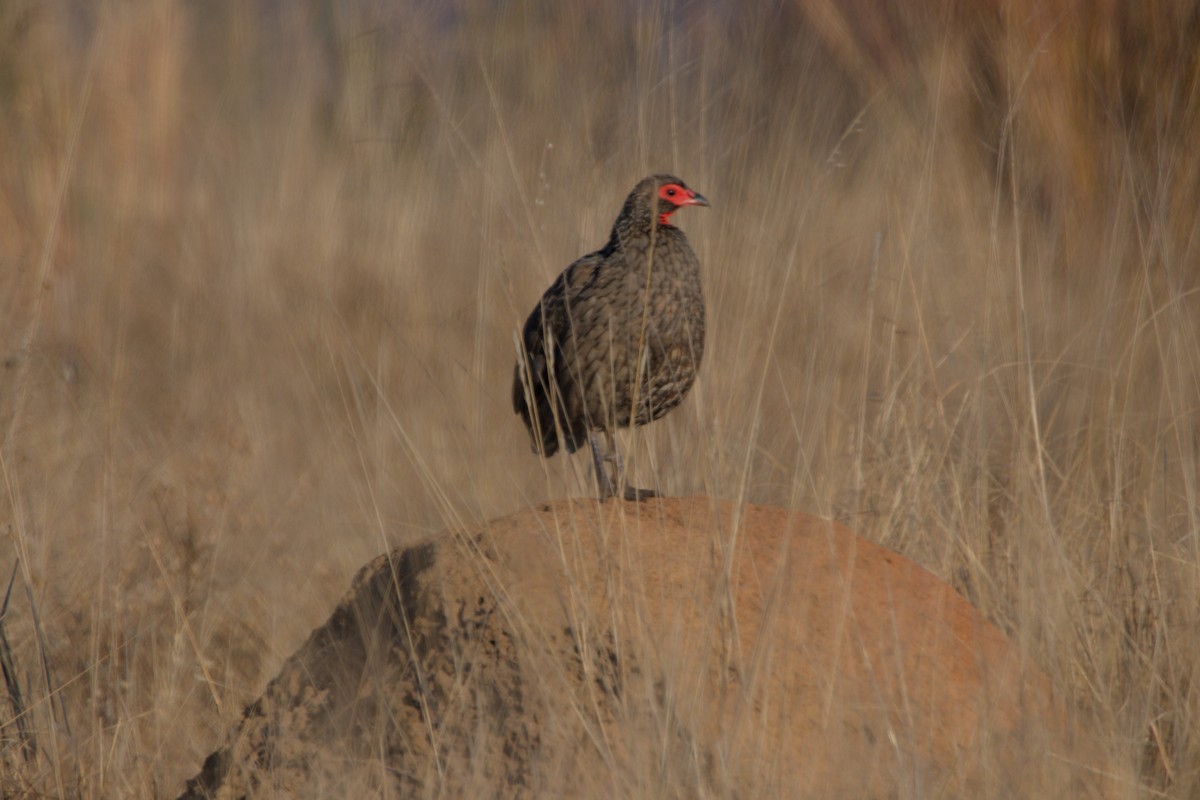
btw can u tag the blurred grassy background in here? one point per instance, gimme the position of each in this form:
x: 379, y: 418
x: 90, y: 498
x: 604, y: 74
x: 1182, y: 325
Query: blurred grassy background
x: 261, y: 265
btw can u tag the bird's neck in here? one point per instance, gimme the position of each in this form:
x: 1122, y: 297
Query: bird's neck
x: 634, y: 228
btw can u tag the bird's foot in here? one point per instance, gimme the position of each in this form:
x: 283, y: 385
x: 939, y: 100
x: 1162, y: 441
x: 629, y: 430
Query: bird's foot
x: 631, y: 494
x: 607, y: 480
x: 635, y: 495
x: 607, y: 489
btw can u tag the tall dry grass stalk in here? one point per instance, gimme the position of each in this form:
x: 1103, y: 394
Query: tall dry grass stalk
x: 260, y: 265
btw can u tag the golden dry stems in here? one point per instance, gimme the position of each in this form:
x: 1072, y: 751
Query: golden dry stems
x: 257, y: 322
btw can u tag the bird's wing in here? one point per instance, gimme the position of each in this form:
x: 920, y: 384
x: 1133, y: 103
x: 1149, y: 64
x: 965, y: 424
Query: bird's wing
x: 567, y: 302
x: 549, y: 344
x: 548, y: 330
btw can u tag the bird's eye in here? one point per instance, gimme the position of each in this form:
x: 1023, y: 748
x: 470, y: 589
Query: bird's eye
x: 670, y: 192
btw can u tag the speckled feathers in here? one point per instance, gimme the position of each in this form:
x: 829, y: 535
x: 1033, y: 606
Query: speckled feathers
x: 619, y: 335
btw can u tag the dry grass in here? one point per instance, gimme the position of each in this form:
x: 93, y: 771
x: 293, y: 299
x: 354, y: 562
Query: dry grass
x: 261, y: 269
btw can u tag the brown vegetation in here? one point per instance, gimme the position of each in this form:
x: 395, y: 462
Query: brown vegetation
x: 261, y: 265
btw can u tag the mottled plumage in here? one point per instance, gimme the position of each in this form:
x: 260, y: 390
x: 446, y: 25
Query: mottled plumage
x: 632, y: 308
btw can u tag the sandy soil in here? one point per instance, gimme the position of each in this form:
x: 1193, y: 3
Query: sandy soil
x: 686, y: 646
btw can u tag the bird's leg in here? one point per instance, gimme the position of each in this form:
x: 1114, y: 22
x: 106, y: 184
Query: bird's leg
x: 606, y: 484
x: 631, y: 492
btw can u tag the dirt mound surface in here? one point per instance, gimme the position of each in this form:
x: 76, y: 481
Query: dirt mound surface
x: 673, y: 648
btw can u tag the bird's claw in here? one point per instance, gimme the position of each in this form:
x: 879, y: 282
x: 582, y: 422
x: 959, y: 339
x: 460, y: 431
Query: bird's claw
x: 635, y: 495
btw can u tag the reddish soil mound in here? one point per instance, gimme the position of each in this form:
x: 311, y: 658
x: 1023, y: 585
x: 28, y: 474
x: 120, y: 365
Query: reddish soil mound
x: 674, y: 648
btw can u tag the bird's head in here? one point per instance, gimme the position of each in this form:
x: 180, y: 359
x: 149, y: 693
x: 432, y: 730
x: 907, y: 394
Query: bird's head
x: 673, y: 194
x: 660, y: 196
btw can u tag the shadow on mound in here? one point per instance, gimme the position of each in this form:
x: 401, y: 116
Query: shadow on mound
x: 678, y: 647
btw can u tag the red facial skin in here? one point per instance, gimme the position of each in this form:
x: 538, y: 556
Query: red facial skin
x: 678, y: 196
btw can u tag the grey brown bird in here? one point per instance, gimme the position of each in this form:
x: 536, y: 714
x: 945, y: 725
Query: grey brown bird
x: 618, y: 337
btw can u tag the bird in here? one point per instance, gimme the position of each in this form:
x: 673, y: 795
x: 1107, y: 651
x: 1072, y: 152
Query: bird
x: 618, y: 337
